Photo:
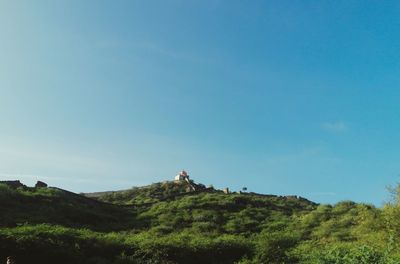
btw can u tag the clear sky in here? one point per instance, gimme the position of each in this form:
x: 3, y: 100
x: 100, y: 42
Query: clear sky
x: 283, y: 97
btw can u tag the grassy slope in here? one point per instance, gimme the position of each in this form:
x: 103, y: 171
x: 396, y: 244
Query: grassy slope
x: 164, y: 205
x: 56, y: 206
x: 147, y: 194
x: 162, y: 223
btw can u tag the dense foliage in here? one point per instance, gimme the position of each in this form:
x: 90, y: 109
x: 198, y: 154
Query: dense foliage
x: 163, y: 224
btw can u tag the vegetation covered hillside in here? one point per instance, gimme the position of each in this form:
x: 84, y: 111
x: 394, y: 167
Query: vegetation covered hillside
x: 25, y: 205
x: 166, y: 223
x: 149, y: 194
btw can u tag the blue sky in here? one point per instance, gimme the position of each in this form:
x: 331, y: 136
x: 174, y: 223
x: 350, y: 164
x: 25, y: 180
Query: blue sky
x: 283, y: 97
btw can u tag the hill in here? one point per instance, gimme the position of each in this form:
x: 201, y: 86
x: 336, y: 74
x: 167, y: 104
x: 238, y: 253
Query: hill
x: 170, y: 190
x: 149, y: 194
x: 28, y: 205
x: 171, y: 222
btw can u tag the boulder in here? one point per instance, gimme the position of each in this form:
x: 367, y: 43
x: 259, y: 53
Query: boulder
x: 10, y: 260
x: 40, y: 184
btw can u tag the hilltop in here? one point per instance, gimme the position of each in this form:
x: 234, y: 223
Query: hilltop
x: 124, y: 210
x: 186, y: 222
x: 170, y: 190
x: 150, y: 194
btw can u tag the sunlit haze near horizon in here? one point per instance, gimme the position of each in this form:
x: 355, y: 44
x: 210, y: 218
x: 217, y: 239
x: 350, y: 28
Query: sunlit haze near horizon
x: 283, y: 97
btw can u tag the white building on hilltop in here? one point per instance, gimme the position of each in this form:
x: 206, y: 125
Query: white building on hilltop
x: 182, y: 176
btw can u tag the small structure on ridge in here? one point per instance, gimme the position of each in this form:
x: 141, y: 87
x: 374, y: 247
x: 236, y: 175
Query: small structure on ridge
x: 182, y: 176
x: 40, y: 184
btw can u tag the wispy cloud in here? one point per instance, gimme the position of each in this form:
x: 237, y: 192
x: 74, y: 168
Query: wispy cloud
x: 336, y: 127
x: 156, y: 49
x: 18, y: 176
x: 52, y: 158
x: 304, y: 153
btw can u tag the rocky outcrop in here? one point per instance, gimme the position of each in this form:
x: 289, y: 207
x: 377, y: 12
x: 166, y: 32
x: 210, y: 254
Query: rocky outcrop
x: 13, y: 184
x: 40, y: 184
x: 10, y: 260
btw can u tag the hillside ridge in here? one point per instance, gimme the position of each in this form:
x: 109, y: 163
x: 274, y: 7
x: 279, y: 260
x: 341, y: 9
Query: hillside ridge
x: 182, y: 190
x: 171, y: 222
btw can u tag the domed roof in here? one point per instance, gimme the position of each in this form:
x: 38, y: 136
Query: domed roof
x: 183, y: 173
